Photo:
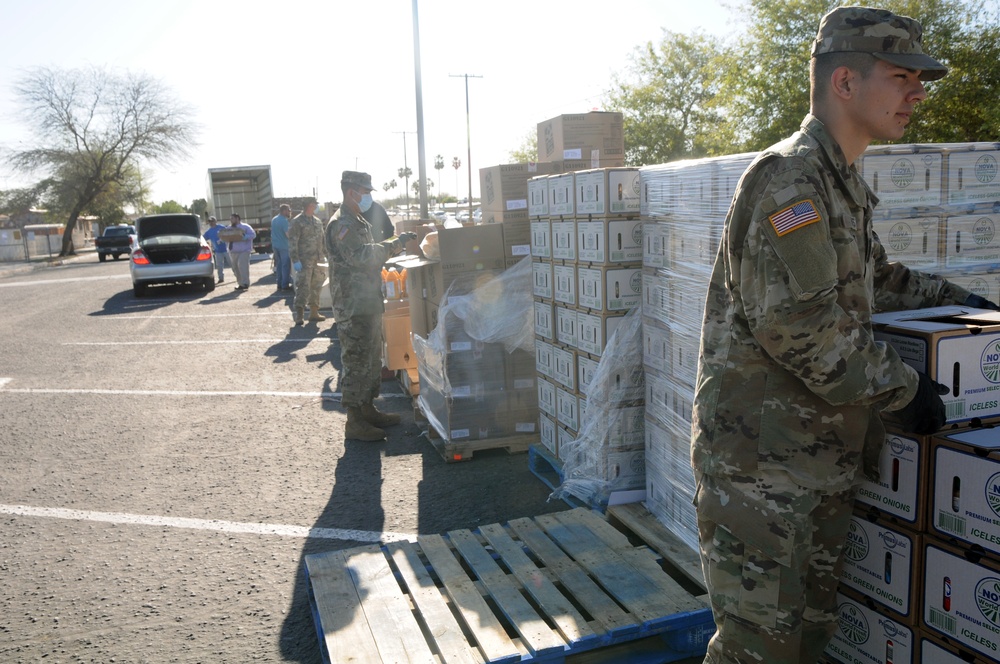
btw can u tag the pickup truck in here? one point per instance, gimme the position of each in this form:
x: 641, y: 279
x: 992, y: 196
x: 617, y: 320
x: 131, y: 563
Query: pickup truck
x: 115, y: 241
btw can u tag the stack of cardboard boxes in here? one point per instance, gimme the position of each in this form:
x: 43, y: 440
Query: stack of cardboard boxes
x: 923, y: 554
x: 586, y: 242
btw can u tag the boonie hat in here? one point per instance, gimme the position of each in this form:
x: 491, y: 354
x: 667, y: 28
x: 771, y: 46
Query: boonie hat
x: 890, y: 37
x: 357, y: 179
x: 212, y: 218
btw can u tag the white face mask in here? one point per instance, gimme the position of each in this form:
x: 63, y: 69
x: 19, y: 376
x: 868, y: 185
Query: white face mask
x: 365, y: 203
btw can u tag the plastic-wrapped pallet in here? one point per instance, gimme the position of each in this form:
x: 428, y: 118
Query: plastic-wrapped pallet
x: 684, y: 207
x: 470, y: 385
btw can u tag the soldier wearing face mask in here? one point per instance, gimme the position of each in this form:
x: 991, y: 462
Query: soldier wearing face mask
x: 356, y: 261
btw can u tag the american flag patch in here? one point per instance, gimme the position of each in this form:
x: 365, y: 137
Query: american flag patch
x: 343, y: 232
x: 794, y: 217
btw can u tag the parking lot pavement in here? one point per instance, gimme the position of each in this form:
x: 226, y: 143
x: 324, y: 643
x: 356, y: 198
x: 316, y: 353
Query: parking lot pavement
x: 168, y: 461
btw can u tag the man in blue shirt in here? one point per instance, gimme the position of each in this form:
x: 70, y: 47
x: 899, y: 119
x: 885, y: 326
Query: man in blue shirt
x: 279, y: 244
x: 218, y: 247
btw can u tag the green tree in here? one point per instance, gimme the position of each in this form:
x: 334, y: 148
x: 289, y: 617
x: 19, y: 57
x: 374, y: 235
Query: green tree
x: 527, y: 152
x: 199, y: 206
x: 665, y: 99
x: 168, y: 207
x: 93, y: 129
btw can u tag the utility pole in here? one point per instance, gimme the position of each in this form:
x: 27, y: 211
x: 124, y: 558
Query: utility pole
x: 468, y: 130
x: 421, y: 167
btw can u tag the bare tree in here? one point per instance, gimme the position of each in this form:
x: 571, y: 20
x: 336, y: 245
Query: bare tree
x: 93, y: 129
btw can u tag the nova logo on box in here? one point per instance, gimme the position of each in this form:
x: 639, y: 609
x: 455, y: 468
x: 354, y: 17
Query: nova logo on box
x: 989, y: 363
x: 986, y: 168
x: 856, y: 547
x: 900, y: 236
x: 993, y: 493
x: 853, y: 624
x: 983, y: 231
x: 637, y: 234
x: 902, y: 173
x: 636, y: 283
x: 988, y: 599
x: 979, y: 286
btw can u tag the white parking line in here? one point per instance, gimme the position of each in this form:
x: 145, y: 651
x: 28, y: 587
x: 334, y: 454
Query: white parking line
x: 36, y: 282
x: 157, y: 317
x: 200, y: 342
x: 182, y: 393
x: 208, y: 524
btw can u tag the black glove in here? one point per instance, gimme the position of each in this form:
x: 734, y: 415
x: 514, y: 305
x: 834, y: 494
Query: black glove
x: 925, y: 414
x: 980, y: 302
x: 404, y: 238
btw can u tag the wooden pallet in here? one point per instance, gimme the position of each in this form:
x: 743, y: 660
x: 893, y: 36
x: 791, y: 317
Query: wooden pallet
x: 564, y: 587
x: 463, y: 450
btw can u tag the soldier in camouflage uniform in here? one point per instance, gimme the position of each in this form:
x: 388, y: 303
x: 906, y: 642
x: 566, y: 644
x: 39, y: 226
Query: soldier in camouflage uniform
x: 791, y: 381
x: 305, y: 250
x: 356, y: 262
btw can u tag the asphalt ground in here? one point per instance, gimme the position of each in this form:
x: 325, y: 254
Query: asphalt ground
x: 166, y: 463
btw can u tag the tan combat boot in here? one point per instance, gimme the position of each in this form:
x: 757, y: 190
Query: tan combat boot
x: 299, y: 315
x: 377, y: 417
x: 315, y: 315
x: 359, y: 428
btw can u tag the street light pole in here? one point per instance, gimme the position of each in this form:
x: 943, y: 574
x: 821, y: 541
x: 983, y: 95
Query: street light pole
x: 468, y: 131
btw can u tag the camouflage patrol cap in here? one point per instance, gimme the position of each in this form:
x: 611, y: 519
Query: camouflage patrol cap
x: 887, y: 36
x: 357, y: 179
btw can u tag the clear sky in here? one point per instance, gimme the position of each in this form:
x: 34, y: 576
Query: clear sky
x: 312, y: 88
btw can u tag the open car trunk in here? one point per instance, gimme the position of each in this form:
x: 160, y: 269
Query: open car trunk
x: 169, y: 239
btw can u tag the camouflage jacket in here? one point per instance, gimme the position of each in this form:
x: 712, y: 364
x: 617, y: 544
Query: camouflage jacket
x: 790, y: 376
x: 356, y: 262
x: 305, y: 239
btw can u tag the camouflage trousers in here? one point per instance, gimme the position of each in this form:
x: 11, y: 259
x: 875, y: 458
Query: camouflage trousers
x: 308, y: 284
x: 772, y: 554
x: 360, y: 358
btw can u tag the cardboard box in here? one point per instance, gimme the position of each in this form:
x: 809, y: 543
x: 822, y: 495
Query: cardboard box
x: 538, y: 196
x: 230, y: 234
x: 564, y: 284
x: 961, y: 599
x: 656, y: 345
x: 594, y: 329
x: 471, y: 249
x: 544, y: 320
x: 564, y: 368
x: 958, y: 347
x: 566, y: 326
x: 505, y: 187
x: 656, y: 292
x: 901, y: 494
x: 563, y: 239
x: 972, y: 241
x: 541, y: 238
x: 516, y: 241
x: 397, y: 349
x: 541, y: 276
x: 864, y: 636
x: 973, y: 176
x: 903, y: 178
x: 935, y: 649
x: 562, y: 203
x: 596, y: 135
x: 655, y: 244
x: 547, y: 398
x: 913, y: 241
x: 504, y: 217
x: 965, y: 498
x: 544, y: 362
x: 609, y: 241
x: 986, y: 284
x: 882, y: 563
x: 567, y: 408
x: 411, y: 381
x: 565, y: 441
x: 607, y: 192
x: 609, y: 289
x: 610, y: 384
x: 547, y: 433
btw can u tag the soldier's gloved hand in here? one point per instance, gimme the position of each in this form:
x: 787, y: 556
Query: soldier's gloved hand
x: 980, y: 302
x: 925, y: 413
x: 297, y: 265
x: 405, y: 238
